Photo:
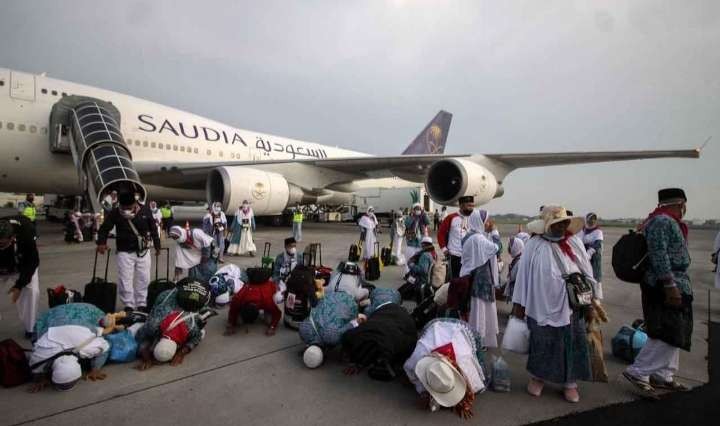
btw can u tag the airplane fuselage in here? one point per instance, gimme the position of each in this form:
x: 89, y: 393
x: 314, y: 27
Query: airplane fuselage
x: 153, y: 132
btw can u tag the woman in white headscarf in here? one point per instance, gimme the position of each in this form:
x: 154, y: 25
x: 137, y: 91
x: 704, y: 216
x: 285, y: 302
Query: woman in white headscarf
x: 193, y: 249
x: 243, y: 226
x: 479, y: 261
x: 368, y: 225
x: 592, y: 237
x: 558, y: 340
x: 398, y: 235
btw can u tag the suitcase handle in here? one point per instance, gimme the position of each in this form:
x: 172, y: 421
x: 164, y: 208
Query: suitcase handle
x: 107, y: 264
x: 167, y: 266
x: 266, y: 249
x: 377, y: 249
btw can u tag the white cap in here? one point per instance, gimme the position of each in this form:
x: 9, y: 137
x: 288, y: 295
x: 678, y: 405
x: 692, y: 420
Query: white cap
x: 66, y: 371
x: 165, y: 350
x: 427, y: 240
x: 313, y: 356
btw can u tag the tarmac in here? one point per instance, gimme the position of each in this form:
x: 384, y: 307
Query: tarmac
x: 252, y: 379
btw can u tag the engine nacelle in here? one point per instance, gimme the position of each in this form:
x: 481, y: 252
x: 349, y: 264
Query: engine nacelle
x: 448, y: 180
x: 268, y: 193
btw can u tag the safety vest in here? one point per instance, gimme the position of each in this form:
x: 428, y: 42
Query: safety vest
x: 298, y: 217
x: 30, y: 212
x: 165, y: 212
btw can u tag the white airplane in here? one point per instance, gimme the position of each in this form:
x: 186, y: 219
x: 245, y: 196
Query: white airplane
x: 66, y: 138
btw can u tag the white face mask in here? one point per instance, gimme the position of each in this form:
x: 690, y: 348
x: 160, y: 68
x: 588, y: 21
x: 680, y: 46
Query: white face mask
x: 291, y: 251
x: 417, y: 212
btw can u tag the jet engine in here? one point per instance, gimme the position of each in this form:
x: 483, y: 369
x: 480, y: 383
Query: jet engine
x: 448, y: 180
x: 268, y: 193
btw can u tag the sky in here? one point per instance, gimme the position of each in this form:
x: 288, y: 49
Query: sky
x: 518, y: 76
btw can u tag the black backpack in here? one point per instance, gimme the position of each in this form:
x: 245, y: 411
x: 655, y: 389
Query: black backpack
x: 354, y: 253
x: 159, y: 285
x: 629, y: 257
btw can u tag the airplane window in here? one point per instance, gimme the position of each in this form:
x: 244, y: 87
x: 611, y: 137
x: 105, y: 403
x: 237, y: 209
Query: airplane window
x: 160, y: 146
x: 145, y: 144
x: 195, y: 150
x: 182, y: 148
x: 174, y: 147
x: 44, y: 91
x: 209, y: 152
x: 54, y: 92
x: 167, y: 147
x: 2, y: 82
x: 152, y: 145
x: 0, y: 124
x: 33, y: 129
x: 21, y: 127
x: 232, y: 155
x: 221, y: 153
x: 10, y: 126
x: 44, y: 130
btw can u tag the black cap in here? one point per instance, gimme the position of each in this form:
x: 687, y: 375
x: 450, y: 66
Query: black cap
x: 670, y: 195
x: 126, y: 199
x: 289, y: 241
x: 466, y: 199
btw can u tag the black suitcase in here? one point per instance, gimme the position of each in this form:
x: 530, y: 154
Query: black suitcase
x: 424, y: 312
x: 158, y: 285
x: 99, y: 291
x: 372, y: 268
x: 386, y: 256
x: 354, y: 253
x: 63, y: 297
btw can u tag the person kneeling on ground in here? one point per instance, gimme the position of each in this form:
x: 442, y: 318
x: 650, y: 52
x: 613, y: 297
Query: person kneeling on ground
x: 195, y: 252
x: 68, y: 333
x: 384, y: 341
x: 175, y: 322
x: 334, y: 314
x: 421, y: 263
x: 446, y: 366
x: 285, y: 262
x: 253, y: 297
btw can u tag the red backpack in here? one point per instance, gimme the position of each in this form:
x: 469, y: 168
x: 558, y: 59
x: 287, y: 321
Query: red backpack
x: 14, y: 367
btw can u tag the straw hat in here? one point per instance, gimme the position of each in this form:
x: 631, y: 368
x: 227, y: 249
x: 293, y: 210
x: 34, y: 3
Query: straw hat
x: 446, y: 385
x: 551, y: 215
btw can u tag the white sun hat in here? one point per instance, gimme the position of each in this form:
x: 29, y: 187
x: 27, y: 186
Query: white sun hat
x: 443, y: 381
x: 552, y: 214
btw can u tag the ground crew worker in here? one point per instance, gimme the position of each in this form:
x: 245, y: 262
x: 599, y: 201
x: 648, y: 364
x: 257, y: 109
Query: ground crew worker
x: 19, y: 258
x: 136, y: 233
x: 167, y: 217
x: 28, y: 209
x: 297, y: 223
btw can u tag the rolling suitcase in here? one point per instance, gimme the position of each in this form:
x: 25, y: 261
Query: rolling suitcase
x: 267, y: 261
x: 322, y: 272
x: 372, y: 267
x: 99, y: 291
x: 158, y: 285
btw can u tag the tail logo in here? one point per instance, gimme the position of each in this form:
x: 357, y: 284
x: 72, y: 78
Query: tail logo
x: 434, y: 136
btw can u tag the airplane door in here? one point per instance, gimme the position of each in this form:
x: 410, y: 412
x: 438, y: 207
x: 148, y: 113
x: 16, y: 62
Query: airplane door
x: 22, y: 86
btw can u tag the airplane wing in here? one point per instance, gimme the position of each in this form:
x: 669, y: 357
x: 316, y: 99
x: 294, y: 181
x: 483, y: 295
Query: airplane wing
x: 318, y: 173
x: 517, y: 161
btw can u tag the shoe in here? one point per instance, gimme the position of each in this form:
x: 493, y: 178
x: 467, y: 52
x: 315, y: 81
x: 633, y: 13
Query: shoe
x: 672, y: 385
x: 571, y: 395
x: 535, y: 387
x: 644, y: 387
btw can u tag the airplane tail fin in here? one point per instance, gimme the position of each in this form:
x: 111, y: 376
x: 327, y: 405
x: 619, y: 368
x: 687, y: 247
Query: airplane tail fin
x: 433, y: 137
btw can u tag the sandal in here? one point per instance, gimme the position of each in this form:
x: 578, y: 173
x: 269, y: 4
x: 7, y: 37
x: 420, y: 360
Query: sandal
x: 672, y: 385
x: 571, y: 395
x: 535, y: 387
x: 644, y: 387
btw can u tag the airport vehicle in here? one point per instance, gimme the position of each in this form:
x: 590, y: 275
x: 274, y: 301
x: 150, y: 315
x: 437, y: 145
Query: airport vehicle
x: 67, y: 138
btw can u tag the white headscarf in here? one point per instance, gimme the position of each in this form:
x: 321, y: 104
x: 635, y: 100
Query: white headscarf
x: 180, y: 233
x: 477, y: 248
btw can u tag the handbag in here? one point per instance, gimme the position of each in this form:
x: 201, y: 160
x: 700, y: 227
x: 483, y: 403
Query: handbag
x: 579, y: 290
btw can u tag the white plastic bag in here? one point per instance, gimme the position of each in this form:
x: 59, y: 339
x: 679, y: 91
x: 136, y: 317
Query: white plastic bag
x: 517, y: 336
x: 501, y: 376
